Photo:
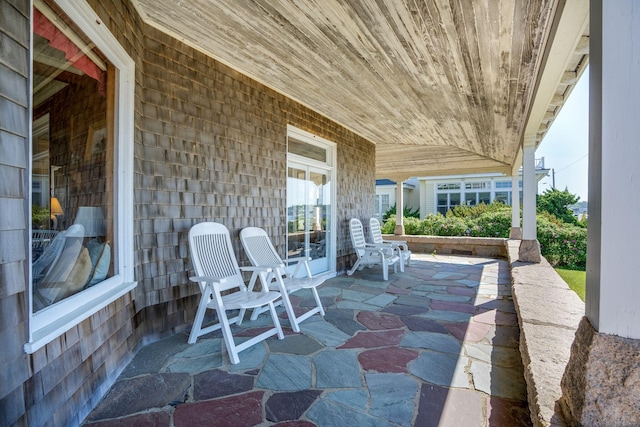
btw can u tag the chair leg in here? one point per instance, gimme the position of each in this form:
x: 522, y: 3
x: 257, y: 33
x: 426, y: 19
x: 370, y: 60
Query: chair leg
x: 228, y: 338
x: 355, y: 267
x: 317, y: 298
x: 276, y: 322
x: 286, y: 301
x: 197, y: 322
x: 385, y: 269
x: 401, y: 260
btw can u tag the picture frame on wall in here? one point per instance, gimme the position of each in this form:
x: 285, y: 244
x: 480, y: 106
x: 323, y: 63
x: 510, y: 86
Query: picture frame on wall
x: 96, y: 139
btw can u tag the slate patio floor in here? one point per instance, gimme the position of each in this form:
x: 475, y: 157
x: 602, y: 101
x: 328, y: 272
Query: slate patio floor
x: 436, y: 345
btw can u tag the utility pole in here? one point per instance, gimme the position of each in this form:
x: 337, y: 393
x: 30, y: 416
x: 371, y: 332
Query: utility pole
x: 553, y: 178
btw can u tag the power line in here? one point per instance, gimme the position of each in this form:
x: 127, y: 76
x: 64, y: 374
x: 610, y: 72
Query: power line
x: 571, y: 164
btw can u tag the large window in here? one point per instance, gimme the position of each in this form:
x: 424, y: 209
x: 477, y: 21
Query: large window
x: 81, y: 154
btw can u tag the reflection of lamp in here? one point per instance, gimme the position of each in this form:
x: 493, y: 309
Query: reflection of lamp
x: 56, y: 210
x: 92, y: 219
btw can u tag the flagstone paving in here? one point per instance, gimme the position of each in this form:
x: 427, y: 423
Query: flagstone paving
x: 436, y: 345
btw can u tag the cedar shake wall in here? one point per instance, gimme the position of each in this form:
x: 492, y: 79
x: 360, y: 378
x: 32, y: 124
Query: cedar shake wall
x: 210, y: 145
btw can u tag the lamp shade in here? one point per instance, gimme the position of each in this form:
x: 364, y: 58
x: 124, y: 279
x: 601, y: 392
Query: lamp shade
x: 56, y: 209
x: 92, y: 219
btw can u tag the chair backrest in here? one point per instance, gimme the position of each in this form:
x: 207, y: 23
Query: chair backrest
x: 357, y: 235
x: 374, y: 231
x: 258, y: 247
x: 212, y: 254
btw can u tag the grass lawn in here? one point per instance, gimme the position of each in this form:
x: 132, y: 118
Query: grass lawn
x: 575, y: 279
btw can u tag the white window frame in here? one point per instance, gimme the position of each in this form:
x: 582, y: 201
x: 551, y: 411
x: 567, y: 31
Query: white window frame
x: 51, y: 322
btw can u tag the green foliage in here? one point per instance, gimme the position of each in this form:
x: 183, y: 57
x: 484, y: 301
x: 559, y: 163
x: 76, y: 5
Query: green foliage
x: 491, y: 224
x: 561, y: 243
x: 39, y: 217
x: 406, y: 212
x: 439, y: 225
x: 555, y: 202
x: 412, y: 226
x: 473, y: 212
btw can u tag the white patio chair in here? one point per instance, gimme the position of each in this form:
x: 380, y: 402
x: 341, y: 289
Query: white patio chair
x: 369, y: 254
x: 217, y: 271
x: 401, y: 247
x: 261, y: 252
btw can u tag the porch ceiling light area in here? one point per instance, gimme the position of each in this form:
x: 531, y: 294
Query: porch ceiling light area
x: 458, y: 74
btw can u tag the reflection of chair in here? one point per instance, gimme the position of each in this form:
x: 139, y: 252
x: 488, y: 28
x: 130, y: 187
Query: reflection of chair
x: 52, y: 249
x: 368, y: 254
x: 63, y: 268
x: 261, y: 252
x: 217, y: 271
x: 400, y: 246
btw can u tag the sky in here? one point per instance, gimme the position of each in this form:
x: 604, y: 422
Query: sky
x: 565, y: 147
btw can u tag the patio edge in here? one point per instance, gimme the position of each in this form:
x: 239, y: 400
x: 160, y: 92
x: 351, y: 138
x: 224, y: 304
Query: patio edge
x: 549, y: 314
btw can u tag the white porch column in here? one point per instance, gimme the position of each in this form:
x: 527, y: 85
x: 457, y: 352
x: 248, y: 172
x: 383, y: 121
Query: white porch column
x: 399, y: 230
x: 516, y: 231
x: 529, y: 247
x: 602, y: 381
x: 613, y: 294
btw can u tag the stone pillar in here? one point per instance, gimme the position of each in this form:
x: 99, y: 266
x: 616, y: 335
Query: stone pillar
x: 529, y: 247
x: 601, y: 385
x: 399, y: 230
x: 516, y: 232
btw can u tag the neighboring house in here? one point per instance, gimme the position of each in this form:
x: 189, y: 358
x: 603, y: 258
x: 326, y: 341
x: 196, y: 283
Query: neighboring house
x: 433, y: 194
x: 386, y: 195
x: 580, y: 209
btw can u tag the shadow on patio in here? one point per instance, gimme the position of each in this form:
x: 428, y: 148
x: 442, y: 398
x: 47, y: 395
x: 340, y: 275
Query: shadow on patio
x: 436, y: 345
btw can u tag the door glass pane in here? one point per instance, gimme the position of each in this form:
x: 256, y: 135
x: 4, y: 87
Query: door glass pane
x: 319, y: 214
x: 296, y: 207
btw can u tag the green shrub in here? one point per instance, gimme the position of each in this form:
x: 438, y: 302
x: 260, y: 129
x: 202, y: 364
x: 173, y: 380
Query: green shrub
x: 439, y: 225
x: 412, y: 226
x: 476, y: 211
x: 491, y: 224
x: 562, y: 244
x: 406, y: 212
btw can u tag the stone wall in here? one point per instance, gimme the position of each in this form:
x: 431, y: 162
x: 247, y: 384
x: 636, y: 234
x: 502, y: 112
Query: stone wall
x: 474, y: 246
x: 548, y: 315
x: 210, y: 144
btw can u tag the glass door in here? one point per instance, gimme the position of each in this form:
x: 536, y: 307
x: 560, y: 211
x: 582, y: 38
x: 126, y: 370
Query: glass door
x: 309, y: 214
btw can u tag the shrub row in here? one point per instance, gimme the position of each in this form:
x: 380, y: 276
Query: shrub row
x: 560, y: 243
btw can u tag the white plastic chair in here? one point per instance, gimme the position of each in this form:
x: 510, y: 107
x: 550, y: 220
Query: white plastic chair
x: 401, y: 247
x: 261, y: 252
x: 217, y: 271
x: 369, y: 254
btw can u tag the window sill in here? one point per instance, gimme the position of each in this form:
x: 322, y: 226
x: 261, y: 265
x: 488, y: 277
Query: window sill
x: 75, y: 309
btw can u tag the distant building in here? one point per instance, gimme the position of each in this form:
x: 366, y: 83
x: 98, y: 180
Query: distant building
x: 431, y: 194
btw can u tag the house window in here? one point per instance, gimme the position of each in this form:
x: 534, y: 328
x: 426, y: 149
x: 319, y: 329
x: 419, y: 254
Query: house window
x: 382, y: 205
x: 81, y: 163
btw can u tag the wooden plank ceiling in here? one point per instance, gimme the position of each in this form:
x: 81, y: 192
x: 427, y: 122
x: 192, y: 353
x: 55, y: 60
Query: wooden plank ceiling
x: 438, y: 85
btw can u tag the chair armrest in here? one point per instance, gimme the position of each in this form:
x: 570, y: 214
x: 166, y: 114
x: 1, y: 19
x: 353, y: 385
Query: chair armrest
x: 298, y: 259
x: 208, y: 279
x: 261, y: 268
